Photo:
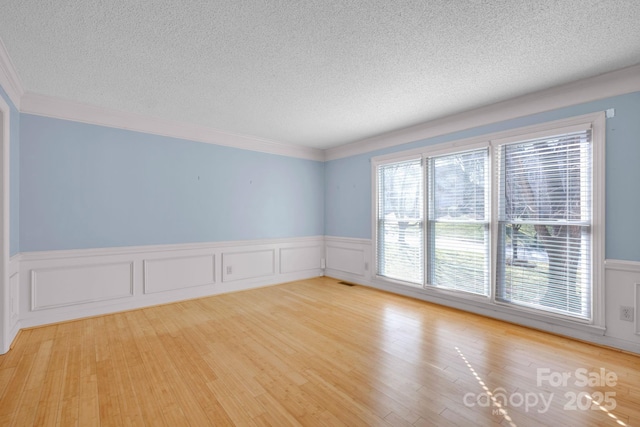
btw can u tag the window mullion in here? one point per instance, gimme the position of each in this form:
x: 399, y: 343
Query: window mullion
x: 426, y: 168
x: 494, y: 216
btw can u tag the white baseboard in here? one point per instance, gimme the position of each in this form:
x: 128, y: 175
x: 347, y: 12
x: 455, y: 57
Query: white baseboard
x: 57, y: 286
x: 13, y: 318
x: 49, y: 287
x: 347, y: 258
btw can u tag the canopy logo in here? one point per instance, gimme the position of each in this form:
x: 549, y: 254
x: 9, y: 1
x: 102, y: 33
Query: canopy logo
x: 500, y: 398
x: 541, y: 401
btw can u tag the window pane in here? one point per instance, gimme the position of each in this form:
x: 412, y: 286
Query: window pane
x: 547, y: 180
x: 459, y: 258
x: 459, y: 185
x: 544, y: 236
x: 458, y: 222
x: 400, y: 221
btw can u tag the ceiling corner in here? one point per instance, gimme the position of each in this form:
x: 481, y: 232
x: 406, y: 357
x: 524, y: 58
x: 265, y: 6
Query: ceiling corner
x: 9, y: 79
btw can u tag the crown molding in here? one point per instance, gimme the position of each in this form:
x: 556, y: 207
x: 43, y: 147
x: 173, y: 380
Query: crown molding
x: 48, y: 106
x: 31, y: 103
x: 626, y: 80
x: 620, y: 82
x: 9, y: 79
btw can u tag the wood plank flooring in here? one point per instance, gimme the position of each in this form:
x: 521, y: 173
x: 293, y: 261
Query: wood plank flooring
x: 313, y: 352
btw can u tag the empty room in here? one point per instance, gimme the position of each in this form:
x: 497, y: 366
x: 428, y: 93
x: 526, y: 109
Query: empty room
x: 340, y: 213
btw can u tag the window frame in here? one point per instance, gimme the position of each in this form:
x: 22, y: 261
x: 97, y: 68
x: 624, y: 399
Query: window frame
x: 376, y: 225
x: 428, y: 232
x: 597, y: 123
x: 498, y: 144
x: 381, y: 161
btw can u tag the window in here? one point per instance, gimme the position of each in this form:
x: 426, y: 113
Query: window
x: 545, y: 223
x: 516, y: 218
x: 459, y: 221
x: 401, y: 221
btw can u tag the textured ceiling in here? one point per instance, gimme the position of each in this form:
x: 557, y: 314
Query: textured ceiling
x: 319, y: 73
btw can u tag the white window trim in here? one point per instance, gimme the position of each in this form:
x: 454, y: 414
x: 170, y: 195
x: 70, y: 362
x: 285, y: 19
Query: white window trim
x: 597, y: 123
x: 401, y: 157
x: 469, y: 145
x: 5, y: 144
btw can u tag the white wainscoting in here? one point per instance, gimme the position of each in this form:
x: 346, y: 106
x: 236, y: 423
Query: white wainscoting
x: 349, y: 260
x: 47, y: 287
x: 166, y: 274
x: 73, y: 285
x: 62, y: 285
x: 293, y: 260
x: 14, y: 300
x: 622, y: 289
x: 244, y: 265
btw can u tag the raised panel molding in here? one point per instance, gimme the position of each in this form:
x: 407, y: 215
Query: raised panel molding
x: 67, y: 286
x: 348, y: 260
x: 296, y: 259
x: 56, y: 286
x: 166, y: 274
x: 247, y: 265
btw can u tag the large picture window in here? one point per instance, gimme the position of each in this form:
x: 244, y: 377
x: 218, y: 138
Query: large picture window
x: 401, y: 221
x: 545, y: 223
x: 458, y: 228
x: 510, y: 219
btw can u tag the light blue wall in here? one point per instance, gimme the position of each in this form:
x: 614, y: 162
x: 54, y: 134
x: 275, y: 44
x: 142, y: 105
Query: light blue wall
x: 348, y: 180
x: 88, y: 186
x: 14, y: 176
x: 348, y: 197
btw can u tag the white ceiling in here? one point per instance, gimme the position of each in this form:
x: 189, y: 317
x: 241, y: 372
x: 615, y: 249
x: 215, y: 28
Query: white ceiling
x: 318, y: 73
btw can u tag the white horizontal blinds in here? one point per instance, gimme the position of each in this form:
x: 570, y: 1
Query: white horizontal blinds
x: 458, y: 225
x: 544, y: 248
x: 401, y: 220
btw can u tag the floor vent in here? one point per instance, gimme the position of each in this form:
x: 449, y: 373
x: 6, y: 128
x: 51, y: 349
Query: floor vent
x: 346, y: 283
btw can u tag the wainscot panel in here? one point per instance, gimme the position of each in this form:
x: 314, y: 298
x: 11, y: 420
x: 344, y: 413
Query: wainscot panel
x: 73, y: 285
x: 300, y: 258
x: 348, y: 258
x: 63, y: 285
x: 622, y: 279
x: 244, y: 265
x: 165, y: 274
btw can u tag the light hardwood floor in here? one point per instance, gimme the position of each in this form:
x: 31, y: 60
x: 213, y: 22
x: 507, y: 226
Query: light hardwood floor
x: 313, y: 352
